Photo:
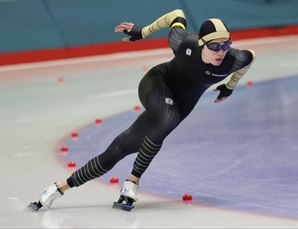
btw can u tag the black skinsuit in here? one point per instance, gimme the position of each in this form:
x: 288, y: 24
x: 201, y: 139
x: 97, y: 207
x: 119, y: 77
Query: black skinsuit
x: 168, y: 92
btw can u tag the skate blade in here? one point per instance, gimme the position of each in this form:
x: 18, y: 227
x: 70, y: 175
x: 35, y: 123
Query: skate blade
x: 34, y: 206
x: 125, y: 207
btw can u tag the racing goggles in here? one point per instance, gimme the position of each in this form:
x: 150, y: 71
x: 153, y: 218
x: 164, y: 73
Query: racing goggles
x: 217, y: 46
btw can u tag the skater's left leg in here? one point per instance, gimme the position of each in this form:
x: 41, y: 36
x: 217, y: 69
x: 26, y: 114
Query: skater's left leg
x: 161, y: 106
x: 133, y: 178
x: 127, y: 142
x: 166, y: 114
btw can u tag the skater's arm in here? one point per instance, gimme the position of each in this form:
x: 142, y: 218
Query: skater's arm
x: 176, y: 16
x: 227, y: 88
x: 173, y: 19
x: 237, y: 75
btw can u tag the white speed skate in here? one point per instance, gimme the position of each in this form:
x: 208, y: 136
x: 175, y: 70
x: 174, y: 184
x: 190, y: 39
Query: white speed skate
x: 48, y: 196
x: 128, y: 195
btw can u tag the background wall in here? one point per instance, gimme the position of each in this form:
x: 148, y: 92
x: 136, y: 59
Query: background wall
x: 38, y: 24
x: 39, y: 30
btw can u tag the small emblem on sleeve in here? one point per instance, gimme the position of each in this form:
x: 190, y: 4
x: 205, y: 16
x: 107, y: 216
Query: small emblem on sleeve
x: 208, y: 73
x: 188, y: 52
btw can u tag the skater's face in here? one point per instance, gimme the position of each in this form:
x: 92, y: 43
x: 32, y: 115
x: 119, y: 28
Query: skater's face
x: 214, y: 51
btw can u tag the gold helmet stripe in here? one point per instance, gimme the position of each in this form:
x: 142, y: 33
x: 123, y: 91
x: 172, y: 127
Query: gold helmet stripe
x: 221, y: 32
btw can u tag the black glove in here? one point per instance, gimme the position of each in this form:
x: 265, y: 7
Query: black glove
x: 135, y: 33
x: 224, y: 91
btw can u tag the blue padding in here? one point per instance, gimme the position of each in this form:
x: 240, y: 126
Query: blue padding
x: 26, y: 25
x: 245, y: 13
x: 43, y: 24
x: 87, y: 22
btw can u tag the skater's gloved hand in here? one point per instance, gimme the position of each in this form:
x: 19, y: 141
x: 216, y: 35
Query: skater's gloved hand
x: 224, y: 93
x: 130, y: 29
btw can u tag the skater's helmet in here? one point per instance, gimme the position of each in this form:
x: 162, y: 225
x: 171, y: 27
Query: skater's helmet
x: 211, y: 29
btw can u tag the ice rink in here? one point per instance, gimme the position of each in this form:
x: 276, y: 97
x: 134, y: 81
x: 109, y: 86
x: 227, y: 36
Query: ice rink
x: 238, y: 159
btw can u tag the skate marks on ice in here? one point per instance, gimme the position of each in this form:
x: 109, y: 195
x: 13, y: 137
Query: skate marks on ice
x: 152, y: 212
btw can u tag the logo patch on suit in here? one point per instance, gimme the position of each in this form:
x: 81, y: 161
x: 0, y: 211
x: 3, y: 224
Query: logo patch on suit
x: 169, y: 101
x: 216, y: 75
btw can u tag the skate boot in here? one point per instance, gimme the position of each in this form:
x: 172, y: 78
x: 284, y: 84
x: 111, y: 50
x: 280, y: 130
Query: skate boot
x: 128, y: 195
x: 47, y: 198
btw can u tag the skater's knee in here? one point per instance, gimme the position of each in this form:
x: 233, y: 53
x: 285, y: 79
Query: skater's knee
x: 169, y: 121
x: 123, y: 145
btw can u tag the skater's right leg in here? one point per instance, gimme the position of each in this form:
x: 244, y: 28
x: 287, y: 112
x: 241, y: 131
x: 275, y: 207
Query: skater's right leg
x: 48, y: 196
x: 126, y: 143
x: 63, y: 186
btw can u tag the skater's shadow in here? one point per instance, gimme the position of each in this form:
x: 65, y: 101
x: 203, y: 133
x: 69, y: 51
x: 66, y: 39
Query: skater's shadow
x: 80, y: 208
x: 160, y: 204
x: 66, y: 217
